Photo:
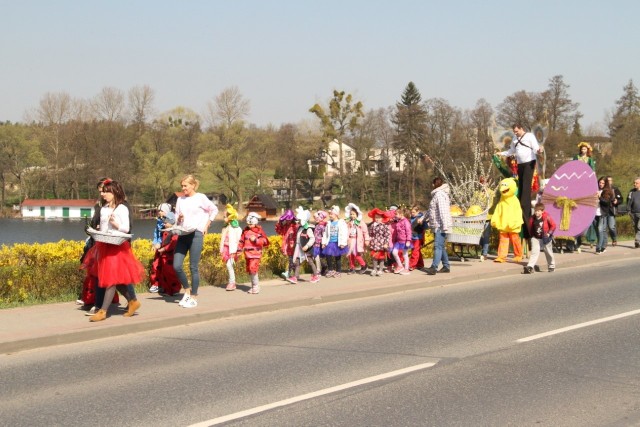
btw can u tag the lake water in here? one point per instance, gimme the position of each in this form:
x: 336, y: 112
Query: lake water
x: 18, y: 230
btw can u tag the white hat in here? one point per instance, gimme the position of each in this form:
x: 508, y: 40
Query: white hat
x: 302, y: 215
x: 353, y: 206
x: 335, y: 209
x: 253, y: 218
x: 165, y: 207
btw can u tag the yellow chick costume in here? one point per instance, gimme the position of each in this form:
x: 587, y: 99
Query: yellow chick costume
x: 507, y: 218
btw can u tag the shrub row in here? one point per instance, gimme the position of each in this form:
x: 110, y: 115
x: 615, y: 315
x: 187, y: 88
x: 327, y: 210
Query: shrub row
x: 50, y: 272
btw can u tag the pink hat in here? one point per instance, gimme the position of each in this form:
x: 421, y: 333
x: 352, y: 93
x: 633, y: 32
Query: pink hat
x: 320, y: 216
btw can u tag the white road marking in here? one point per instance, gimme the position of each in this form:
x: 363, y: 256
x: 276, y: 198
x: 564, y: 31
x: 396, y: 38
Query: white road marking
x: 311, y: 395
x: 579, y: 325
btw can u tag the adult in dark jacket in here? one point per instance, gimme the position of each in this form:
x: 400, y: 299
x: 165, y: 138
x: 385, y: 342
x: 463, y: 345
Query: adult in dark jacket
x: 633, y: 207
x: 605, y: 197
x: 617, y: 201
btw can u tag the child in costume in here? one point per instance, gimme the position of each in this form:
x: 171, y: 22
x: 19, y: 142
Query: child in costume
x: 358, y: 238
x: 418, y: 227
x: 115, y: 265
x: 163, y: 210
x: 390, y: 263
x: 507, y: 218
x: 401, y: 241
x: 379, y: 237
x: 286, y: 227
x: 252, y: 241
x: 334, y: 242
x: 163, y: 277
x: 541, y: 228
x: 321, y: 222
x: 305, y: 239
x: 229, y: 240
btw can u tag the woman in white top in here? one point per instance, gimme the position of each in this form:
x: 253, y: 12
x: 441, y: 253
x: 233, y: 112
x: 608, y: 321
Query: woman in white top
x: 194, y: 211
x: 115, y: 266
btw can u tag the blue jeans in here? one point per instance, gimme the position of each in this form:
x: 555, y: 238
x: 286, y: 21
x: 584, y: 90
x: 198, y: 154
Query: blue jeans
x: 611, y: 224
x: 484, y: 239
x: 603, y: 221
x: 440, y: 250
x: 191, y: 243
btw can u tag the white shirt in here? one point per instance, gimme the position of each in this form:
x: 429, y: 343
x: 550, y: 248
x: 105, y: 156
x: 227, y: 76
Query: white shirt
x: 121, y: 214
x: 196, y: 211
x: 526, y: 150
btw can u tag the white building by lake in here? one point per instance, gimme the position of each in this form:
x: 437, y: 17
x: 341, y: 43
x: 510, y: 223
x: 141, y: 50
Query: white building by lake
x: 57, y: 208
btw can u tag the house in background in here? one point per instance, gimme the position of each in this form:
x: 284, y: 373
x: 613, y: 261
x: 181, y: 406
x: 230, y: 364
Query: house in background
x: 378, y: 159
x: 264, y: 205
x: 57, y: 208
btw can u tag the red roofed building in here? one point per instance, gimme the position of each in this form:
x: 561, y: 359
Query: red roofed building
x: 57, y: 208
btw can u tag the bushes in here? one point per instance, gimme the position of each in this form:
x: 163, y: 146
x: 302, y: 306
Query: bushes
x: 50, y: 272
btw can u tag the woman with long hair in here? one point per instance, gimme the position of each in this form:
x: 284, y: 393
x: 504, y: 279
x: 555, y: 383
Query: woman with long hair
x: 115, y: 266
x: 194, y: 213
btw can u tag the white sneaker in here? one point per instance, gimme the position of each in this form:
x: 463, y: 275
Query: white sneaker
x: 190, y: 303
x: 185, y: 298
x: 91, y: 312
x: 153, y: 289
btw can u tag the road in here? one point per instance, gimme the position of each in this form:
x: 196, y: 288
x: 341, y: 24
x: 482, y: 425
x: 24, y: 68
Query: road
x: 464, y: 354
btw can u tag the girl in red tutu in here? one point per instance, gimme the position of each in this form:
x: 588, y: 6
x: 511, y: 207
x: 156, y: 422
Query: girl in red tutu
x: 163, y: 277
x: 114, y: 265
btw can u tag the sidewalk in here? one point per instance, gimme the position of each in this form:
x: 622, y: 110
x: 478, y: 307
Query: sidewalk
x: 42, y: 326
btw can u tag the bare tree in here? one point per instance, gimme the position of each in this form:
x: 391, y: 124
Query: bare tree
x: 228, y: 107
x: 55, y: 108
x: 482, y: 118
x: 108, y: 105
x: 560, y: 110
x: 54, y: 111
x: 141, y: 99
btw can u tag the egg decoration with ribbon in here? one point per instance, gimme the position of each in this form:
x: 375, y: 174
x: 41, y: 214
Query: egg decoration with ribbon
x: 571, y: 198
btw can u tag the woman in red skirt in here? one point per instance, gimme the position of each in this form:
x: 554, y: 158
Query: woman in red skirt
x: 114, y: 265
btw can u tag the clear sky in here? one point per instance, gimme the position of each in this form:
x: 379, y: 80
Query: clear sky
x: 284, y: 56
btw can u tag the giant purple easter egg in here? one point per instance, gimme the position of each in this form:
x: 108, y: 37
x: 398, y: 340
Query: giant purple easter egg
x: 578, y: 182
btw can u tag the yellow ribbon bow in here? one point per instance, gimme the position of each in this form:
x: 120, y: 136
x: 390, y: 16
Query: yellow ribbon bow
x: 566, y: 204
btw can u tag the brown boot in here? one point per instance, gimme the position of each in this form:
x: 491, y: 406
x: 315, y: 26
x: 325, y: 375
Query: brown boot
x: 100, y: 315
x: 132, y: 307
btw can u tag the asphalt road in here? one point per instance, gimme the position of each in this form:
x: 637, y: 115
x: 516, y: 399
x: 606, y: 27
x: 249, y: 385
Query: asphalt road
x: 459, y: 343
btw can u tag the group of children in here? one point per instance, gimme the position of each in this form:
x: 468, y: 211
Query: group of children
x: 394, y: 238
x: 390, y: 237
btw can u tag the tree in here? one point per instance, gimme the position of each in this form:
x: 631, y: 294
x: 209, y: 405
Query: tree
x: 18, y: 153
x: 108, y: 105
x: 481, y: 118
x: 627, y: 109
x: 228, y: 107
x: 410, y: 120
x: 343, y: 117
x: 522, y: 107
x: 141, y: 99
x: 158, y: 165
x: 54, y: 111
x: 625, y: 132
x: 560, y: 110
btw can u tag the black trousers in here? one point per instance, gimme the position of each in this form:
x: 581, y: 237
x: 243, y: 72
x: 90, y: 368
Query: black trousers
x: 525, y: 177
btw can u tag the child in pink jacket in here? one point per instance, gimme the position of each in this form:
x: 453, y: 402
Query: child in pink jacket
x: 358, y: 238
x: 402, y: 241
